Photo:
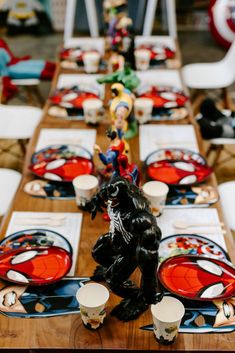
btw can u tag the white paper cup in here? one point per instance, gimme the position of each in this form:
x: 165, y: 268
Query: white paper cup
x: 92, y: 299
x: 142, y: 59
x: 156, y: 192
x: 143, y: 108
x: 93, y: 110
x: 85, y: 187
x: 167, y: 315
x: 91, y: 60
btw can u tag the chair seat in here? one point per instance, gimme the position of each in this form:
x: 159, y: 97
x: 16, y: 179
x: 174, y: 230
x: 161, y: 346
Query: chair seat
x: 222, y: 141
x: 26, y: 82
x: 216, y: 147
x: 9, y: 182
x: 207, y: 76
x: 227, y: 197
x: 18, y: 122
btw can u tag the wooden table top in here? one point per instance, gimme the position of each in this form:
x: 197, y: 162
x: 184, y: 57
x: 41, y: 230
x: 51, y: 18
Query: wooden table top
x: 67, y: 332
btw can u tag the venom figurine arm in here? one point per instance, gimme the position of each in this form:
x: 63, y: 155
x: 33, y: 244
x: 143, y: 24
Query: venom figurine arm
x: 97, y: 203
x: 132, y: 241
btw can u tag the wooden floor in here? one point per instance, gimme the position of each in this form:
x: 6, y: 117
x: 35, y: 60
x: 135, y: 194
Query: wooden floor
x: 12, y: 159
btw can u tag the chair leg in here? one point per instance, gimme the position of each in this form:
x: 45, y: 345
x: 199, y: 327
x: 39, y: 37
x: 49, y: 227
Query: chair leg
x: 69, y: 19
x: 208, y: 152
x: 22, y: 144
x: 217, y: 149
x: 197, y: 98
x: 149, y: 17
x: 225, y: 97
x: 92, y: 18
x: 34, y: 96
x: 171, y: 18
x: 29, y: 95
x: 38, y: 95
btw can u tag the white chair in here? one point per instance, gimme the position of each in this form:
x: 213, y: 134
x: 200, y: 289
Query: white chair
x: 9, y: 183
x: 169, y: 6
x: 217, y: 146
x: 31, y: 87
x: 70, y: 17
x: 18, y: 123
x: 220, y: 74
x: 227, y: 197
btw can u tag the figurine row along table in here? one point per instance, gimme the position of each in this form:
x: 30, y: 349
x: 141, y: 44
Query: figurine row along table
x: 67, y: 332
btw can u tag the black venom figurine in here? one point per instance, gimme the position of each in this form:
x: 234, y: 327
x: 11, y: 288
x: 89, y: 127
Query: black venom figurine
x: 132, y: 241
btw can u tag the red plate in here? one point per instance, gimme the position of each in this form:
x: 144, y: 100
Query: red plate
x: 74, y: 54
x: 177, y: 167
x: 61, y: 162
x: 72, y: 97
x: 35, y: 266
x: 198, y: 277
x: 165, y: 97
x: 159, y: 52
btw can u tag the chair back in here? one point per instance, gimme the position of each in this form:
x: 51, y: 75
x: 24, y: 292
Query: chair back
x: 70, y: 14
x: 9, y: 183
x: 227, y: 194
x: 1, y: 89
x: 229, y: 60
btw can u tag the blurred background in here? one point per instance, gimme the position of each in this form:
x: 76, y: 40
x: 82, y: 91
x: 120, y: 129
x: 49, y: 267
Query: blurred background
x: 195, y: 38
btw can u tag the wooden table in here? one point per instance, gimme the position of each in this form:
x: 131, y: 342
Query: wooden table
x: 68, y: 332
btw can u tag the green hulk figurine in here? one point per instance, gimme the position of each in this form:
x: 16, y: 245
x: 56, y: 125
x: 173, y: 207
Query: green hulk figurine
x: 126, y: 76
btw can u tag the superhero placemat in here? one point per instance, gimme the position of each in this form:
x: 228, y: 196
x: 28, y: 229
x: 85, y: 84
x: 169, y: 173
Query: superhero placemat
x: 83, y: 137
x: 192, y: 196
x: 83, y: 80
x: 154, y: 137
x: 52, y: 190
x: 193, y: 216
x: 162, y: 49
x: 43, y: 301
x: 67, y: 224
x: 189, y: 244
x: 167, y: 78
x: 206, y: 317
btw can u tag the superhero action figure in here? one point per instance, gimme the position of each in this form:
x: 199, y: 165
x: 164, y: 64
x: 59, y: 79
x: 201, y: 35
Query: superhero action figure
x: 116, y: 147
x: 120, y: 107
x: 120, y: 110
x: 116, y: 161
x: 132, y: 241
x: 126, y: 76
x: 115, y: 15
